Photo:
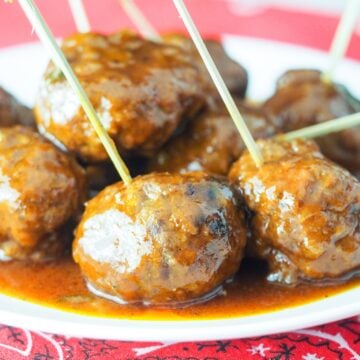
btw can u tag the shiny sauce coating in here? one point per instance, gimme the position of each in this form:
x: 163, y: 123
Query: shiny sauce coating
x: 142, y: 91
x: 306, y: 211
x: 162, y: 239
x: 59, y: 284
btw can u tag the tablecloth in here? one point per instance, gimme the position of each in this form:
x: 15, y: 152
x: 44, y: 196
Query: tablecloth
x: 336, y: 341
x: 310, y: 23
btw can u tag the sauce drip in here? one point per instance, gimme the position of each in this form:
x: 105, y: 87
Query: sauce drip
x: 59, y: 284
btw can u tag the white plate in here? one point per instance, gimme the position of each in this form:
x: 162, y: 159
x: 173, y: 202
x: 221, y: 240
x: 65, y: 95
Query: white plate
x: 20, y: 70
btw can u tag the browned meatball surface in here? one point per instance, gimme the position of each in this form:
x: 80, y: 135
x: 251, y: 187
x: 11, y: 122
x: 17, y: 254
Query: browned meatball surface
x: 41, y: 190
x: 306, y: 209
x: 12, y: 112
x: 142, y: 91
x: 234, y: 75
x: 211, y: 142
x: 303, y: 99
x: 163, y: 239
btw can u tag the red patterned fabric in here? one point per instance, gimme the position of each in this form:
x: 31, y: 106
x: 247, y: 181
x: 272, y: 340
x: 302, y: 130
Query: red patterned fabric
x: 339, y: 340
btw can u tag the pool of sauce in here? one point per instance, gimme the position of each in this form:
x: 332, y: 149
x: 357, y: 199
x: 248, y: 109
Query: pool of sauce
x: 59, y: 284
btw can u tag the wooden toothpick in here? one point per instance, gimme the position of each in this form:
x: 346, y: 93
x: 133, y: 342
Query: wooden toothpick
x: 46, y: 37
x: 79, y: 14
x: 219, y: 83
x: 140, y: 21
x: 342, y: 37
x: 323, y: 128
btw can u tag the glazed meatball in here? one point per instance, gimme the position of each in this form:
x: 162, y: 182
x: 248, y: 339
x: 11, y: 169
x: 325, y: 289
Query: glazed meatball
x: 12, y: 112
x: 163, y: 239
x: 211, y: 143
x: 303, y: 99
x: 306, y: 212
x: 41, y: 192
x: 234, y: 75
x: 142, y: 91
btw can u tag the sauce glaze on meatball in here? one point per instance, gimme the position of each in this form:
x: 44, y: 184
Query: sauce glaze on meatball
x: 142, y: 91
x: 13, y: 113
x: 306, y: 211
x: 163, y: 239
x: 303, y: 99
x: 234, y: 75
x: 211, y: 142
x: 41, y: 191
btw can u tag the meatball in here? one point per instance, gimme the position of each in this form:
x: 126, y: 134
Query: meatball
x: 234, y: 75
x: 163, y: 239
x: 142, y: 91
x: 303, y: 99
x: 12, y: 112
x: 41, y: 192
x: 306, y: 212
x: 211, y: 142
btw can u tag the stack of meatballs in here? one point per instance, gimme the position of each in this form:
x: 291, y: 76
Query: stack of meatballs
x: 198, y: 205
